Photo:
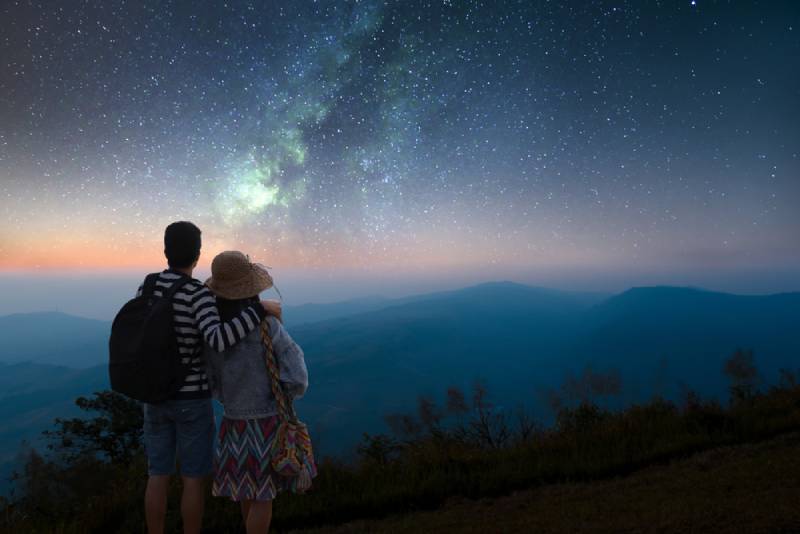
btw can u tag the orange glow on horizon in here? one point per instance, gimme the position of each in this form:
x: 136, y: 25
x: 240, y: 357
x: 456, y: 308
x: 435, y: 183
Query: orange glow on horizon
x: 75, y: 254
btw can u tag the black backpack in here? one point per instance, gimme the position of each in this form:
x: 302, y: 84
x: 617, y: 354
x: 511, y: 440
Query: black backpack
x: 143, y: 362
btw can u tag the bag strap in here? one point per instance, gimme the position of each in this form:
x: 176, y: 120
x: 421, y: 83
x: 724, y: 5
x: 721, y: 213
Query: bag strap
x: 150, y: 280
x: 282, y: 401
x: 176, y: 285
x: 149, y: 286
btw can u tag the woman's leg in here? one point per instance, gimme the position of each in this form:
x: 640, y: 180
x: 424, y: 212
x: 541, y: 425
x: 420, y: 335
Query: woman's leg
x: 245, y: 506
x: 259, y: 517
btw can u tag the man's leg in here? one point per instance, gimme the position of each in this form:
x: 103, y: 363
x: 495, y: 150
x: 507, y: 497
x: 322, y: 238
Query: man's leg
x: 159, y: 444
x: 155, y: 503
x: 192, y: 503
x: 195, y: 435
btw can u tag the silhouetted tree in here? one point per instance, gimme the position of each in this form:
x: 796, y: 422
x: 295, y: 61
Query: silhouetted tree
x: 702, y: 415
x: 115, y: 434
x: 429, y: 415
x: 404, y: 426
x: 581, y: 418
x: 379, y: 448
x: 788, y: 379
x: 590, y: 384
x: 740, y: 368
x: 486, y: 427
x: 526, y: 426
x: 583, y: 389
x: 456, y: 403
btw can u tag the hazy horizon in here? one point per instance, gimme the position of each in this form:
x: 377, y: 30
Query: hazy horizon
x: 99, y: 294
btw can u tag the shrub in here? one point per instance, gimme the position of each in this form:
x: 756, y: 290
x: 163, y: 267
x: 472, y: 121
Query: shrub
x: 461, y: 448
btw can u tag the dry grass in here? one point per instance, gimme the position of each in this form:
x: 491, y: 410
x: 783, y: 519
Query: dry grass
x: 741, y: 489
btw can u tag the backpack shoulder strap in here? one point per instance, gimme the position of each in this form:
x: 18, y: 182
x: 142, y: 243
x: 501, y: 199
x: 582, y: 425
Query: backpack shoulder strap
x: 149, y: 285
x: 176, y: 285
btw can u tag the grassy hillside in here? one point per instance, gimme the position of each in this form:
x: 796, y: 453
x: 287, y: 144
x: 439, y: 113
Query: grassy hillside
x: 743, y: 489
x: 651, y: 467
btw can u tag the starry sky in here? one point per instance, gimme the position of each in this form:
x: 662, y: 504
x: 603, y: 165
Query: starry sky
x: 427, y: 137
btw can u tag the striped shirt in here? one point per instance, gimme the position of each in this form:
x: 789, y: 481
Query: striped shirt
x: 196, y: 320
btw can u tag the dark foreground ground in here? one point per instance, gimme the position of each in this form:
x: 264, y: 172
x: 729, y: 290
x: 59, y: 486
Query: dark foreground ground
x: 744, y: 489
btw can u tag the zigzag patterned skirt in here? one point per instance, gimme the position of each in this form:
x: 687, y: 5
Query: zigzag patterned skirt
x: 242, y: 461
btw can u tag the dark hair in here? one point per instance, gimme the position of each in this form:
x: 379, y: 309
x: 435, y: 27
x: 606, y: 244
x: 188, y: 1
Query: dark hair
x: 228, y: 309
x: 181, y: 244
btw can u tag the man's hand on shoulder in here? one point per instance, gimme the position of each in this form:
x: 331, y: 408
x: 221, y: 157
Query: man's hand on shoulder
x: 273, y: 307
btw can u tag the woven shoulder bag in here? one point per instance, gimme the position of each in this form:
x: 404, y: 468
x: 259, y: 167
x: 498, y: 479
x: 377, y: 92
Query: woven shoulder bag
x: 292, y: 455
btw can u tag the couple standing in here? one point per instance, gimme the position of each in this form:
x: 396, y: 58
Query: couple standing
x: 219, y: 342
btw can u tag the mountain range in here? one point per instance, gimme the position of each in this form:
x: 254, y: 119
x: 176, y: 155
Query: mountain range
x: 522, y: 341
x: 371, y: 357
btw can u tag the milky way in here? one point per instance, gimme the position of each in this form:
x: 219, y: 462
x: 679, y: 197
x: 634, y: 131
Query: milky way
x: 429, y: 134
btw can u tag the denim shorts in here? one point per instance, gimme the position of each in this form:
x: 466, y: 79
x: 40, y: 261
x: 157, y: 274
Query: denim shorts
x: 182, y: 428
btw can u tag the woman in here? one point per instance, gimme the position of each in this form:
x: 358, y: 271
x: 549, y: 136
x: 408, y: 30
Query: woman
x: 239, y: 380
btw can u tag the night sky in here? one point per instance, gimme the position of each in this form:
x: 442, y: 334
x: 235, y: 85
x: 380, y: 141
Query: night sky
x: 429, y: 136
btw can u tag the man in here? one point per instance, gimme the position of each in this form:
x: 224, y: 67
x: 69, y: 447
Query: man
x: 183, y: 426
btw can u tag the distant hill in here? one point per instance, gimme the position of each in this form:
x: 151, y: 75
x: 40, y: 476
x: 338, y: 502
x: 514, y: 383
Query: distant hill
x: 312, y: 313
x: 59, y: 339
x: 370, y: 357
x: 368, y: 365
x: 522, y: 340
x: 670, y: 334
x: 53, y: 338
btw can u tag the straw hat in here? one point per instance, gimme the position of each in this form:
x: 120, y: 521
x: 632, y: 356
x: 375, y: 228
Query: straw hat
x: 234, y: 276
